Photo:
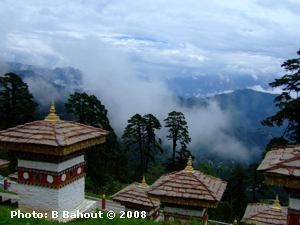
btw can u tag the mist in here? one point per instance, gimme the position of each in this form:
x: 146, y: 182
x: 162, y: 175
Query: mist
x: 109, y: 74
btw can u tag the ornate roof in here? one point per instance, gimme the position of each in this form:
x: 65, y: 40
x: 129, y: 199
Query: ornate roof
x: 188, y: 187
x: 264, y: 214
x: 3, y: 163
x: 51, y: 136
x: 135, y: 196
x: 282, y: 166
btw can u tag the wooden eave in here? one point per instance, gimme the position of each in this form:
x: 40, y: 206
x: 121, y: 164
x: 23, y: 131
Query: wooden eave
x: 51, y: 150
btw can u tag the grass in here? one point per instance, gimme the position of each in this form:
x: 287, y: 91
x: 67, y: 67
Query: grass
x: 5, y: 219
x: 96, y: 195
x: 7, y: 192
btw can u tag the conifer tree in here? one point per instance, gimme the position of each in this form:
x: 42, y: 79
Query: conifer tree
x: 16, y: 102
x: 103, y: 159
x: 289, y: 107
x: 178, y: 132
x: 139, y: 135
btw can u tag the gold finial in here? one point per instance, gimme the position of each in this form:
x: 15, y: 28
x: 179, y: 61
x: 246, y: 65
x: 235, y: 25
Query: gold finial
x: 189, y: 167
x: 52, y: 116
x: 143, y: 184
x: 276, y: 204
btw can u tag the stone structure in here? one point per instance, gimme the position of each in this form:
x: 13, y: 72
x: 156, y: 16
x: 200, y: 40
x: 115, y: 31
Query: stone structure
x: 135, y: 198
x: 51, y: 163
x: 187, y: 193
x: 282, y: 168
x: 264, y: 214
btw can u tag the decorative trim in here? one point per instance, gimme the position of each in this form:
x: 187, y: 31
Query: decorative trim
x: 50, y: 172
x: 50, y: 185
x: 45, y: 157
x: 136, y: 206
x: 51, y: 150
x: 289, y: 182
x: 184, y: 201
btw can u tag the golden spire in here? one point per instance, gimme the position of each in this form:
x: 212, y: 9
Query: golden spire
x: 52, y: 116
x: 276, y: 204
x: 143, y: 184
x: 189, y: 167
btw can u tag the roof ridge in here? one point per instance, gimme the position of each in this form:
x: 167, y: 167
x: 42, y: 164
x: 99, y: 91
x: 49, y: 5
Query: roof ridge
x: 280, y: 164
x: 210, y: 191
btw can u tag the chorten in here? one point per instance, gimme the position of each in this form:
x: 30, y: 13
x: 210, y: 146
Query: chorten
x: 282, y: 168
x: 51, y: 164
x: 187, y: 194
x: 265, y: 214
x: 134, y: 197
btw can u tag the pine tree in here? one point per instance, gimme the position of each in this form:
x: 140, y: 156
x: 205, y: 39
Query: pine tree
x: 139, y: 135
x: 104, y: 157
x: 178, y: 132
x: 16, y: 102
x: 289, y: 106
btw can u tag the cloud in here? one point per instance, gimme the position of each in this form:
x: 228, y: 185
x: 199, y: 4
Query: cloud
x: 115, y: 43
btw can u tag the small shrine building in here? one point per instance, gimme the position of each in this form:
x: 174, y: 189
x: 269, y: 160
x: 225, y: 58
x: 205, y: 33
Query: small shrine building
x: 282, y: 168
x: 134, y: 197
x: 187, y: 194
x: 264, y: 214
x: 51, y: 164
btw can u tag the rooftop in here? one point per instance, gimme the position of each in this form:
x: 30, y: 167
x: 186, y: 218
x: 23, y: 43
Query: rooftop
x: 135, y: 196
x: 282, y: 165
x: 259, y: 213
x: 3, y: 163
x: 51, y: 136
x: 188, y: 187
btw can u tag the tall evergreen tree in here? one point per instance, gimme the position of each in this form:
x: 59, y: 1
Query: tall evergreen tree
x: 139, y: 135
x: 152, y: 142
x: 289, y: 106
x: 103, y: 159
x: 256, y: 179
x: 236, y: 191
x: 16, y: 102
x: 178, y: 132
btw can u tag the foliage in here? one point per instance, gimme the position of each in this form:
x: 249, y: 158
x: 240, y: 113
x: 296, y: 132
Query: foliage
x: 139, y: 135
x: 16, y: 102
x: 178, y: 132
x: 207, y: 169
x: 289, y: 107
x: 155, y: 172
x: 256, y: 179
x: 235, y: 191
x: 107, y: 158
x: 223, y: 212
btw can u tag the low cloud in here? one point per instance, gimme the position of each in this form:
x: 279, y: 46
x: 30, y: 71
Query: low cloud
x: 110, y: 76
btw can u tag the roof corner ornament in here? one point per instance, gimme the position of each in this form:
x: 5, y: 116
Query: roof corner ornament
x: 276, y: 204
x: 189, y: 167
x: 52, y: 116
x: 143, y: 184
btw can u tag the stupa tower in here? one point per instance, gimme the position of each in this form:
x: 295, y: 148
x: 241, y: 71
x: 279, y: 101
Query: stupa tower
x: 51, y: 163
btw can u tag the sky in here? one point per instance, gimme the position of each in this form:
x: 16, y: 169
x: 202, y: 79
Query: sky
x: 127, y: 48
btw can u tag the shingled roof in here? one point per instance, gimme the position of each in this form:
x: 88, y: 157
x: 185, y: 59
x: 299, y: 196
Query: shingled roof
x: 3, y: 163
x: 135, y: 196
x: 51, y: 136
x: 264, y: 214
x: 282, y: 166
x: 188, y: 187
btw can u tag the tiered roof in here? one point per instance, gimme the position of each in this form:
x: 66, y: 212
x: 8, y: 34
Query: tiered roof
x: 264, y: 214
x: 282, y: 166
x: 135, y: 196
x: 3, y: 163
x: 51, y: 136
x: 188, y: 187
